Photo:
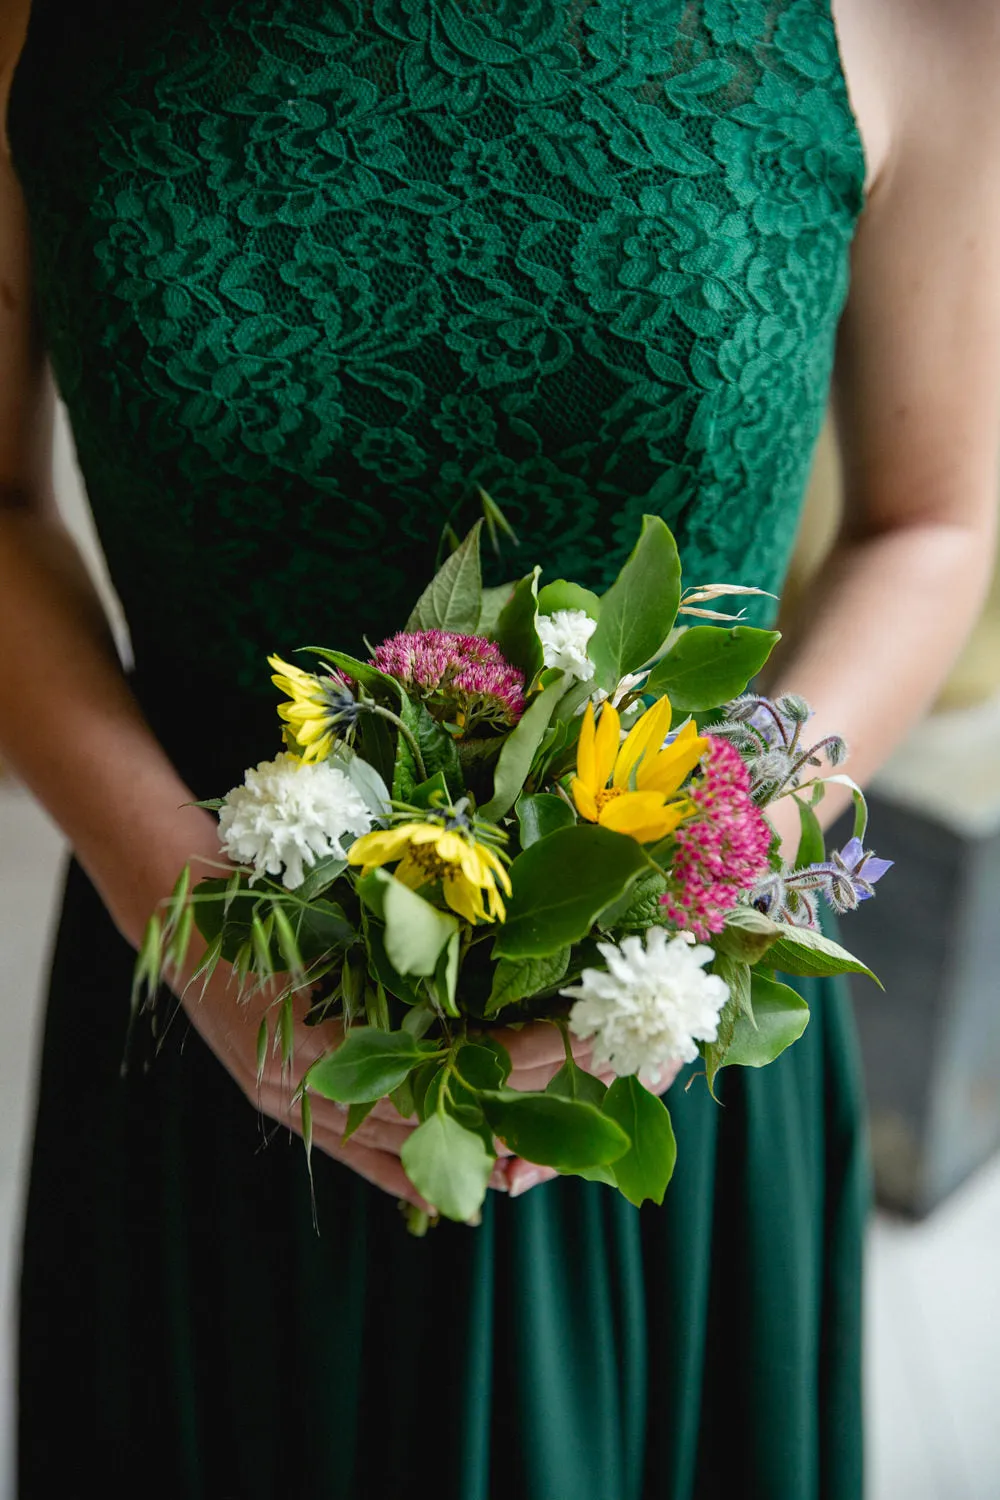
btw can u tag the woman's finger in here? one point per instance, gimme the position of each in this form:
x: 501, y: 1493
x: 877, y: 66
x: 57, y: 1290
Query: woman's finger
x: 524, y: 1175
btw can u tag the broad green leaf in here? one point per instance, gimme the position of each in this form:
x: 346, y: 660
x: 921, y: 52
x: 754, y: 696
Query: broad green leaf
x: 481, y: 1067
x: 519, y: 978
x: 542, y: 814
x: 437, y: 748
x: 640, y: 906
x: 514, y: 761
x: 444, y: 981
x: 560, y: 594
x: 321, y: 877
x: 643, y: 1172
x: 320, y: 928
x: 402, y: 1099
x: 419, y: 1018
x: 415, y: 931
x: 562, y: 884
x: 453, y: 598
x: 714, y: 1053
x: 572, y: 1082
x: 515, y: 632
x: 554, y: 1132
x: 448, y: 1165
x: 367, y: 1065
x: 639, y: 608
x: 802, y: 951
x: 492, y: 605
x: 747, y: 935
x: 379, y: 684
x: 737, y: 975
x: 812, y: 847
x: 357, y: 1114
x: 404, y: 989
x: 431, y: 792
x: 781, y: 1017
x: 708, y: 665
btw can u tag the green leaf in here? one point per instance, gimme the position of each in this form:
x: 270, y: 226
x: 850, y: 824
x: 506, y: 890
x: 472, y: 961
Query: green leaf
x: 737, y: 976
x: 431, y: 792
x: 321, y: 928
x: 562, y: 884
x: 515, y: 632
x: 415, y: 931
x: 367, y: 1065
x: 708, y: 665
x: 357, y: 1114
x: 444, y: 981
x: 379, y: 684
x: 640, y: 906
x: 448, y: 1165
x: 438, y: 749
x: 541, y: 814
x: 481, y: 1067
x: 491, y: 608
x: 714, y: 1053
x: 812, y: 847
x: 747, y: 935
x: 554, y: 1132
x: 860, y: 805
x: 453, y: 598
x: 781, y: 1017
x: 572, y: 1082
x: 802, y: 951
x: 639, y: 608
x: 519, y: 978
x: 560, y: 594
x: 403, y: 989
x: 518, y: 751
x: 645, y: 1169
x: 321, y: 877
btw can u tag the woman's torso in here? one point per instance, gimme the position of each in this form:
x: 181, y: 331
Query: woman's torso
x: 311, y: 273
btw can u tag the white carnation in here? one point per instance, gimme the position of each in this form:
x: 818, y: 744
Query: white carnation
x: 288, y: 813
x: 652, y: 1005
x: 564, y: 636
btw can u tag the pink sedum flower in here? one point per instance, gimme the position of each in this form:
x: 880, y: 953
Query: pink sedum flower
x: 464, y: 678
x: 721, y: 851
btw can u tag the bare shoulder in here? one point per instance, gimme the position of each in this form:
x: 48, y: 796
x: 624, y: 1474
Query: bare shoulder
x: 13, y: 25
x: 920, y: 72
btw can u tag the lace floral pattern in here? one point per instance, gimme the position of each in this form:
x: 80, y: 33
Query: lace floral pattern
x: 311, y: 271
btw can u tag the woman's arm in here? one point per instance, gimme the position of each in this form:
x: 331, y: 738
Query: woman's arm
x: 916, y: 393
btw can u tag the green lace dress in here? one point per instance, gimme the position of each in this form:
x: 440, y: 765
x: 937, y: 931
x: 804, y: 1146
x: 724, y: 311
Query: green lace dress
x: 310, y: 272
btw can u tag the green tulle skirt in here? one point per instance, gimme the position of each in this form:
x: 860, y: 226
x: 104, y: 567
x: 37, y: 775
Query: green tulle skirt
x: 187, y: 1333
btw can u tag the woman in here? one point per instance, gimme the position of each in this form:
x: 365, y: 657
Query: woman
x: 307, y: 275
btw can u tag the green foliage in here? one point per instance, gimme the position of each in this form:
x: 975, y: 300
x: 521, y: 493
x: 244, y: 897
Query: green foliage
x: 437, y: 749
x: 541, y: 814
x: 357, y: 1114
x: 493, y: 602
x: 554, y: 1132
x: 707, y: 665
x: 378, y: 683
x: 321, y: 877
x: 415, y: 931
x: 639, y: 908
x: 431, y: 792
x: 443, y: 983
x: 367, y: 1065
x: 780, y: 1016
x: 453, y: 598
x: 448, y: 1165
x: 515, y: 633
x: 482, y: 1067
x: 645, y: 1169
x: 560, y: 594
x: 519, y: 978
x: 747, y: 935
x: 518, y: 752
x: 572, y: 1082
x: 562, y: 884
x: 639, y: 608
x: 802, y: 951
x: 812, y: 846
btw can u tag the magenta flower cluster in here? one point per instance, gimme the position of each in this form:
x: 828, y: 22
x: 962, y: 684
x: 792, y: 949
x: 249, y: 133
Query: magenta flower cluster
x: 466, y: 677
x: 722, y: 850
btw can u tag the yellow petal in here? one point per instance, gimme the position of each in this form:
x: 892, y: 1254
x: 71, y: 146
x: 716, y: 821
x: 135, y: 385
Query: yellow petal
x: 586, y: 803
x: 378, y: 847
x: 585, y: 763
x: 606, y: 742
x: 463, y: 897
x: 496, y: 864
x: 665, y: 771
x: 642, y: 816
x: 643, y: 740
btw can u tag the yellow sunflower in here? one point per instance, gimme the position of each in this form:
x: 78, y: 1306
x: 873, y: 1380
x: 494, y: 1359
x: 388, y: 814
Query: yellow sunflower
x: 630, y: 786
x: 321, y: 708
x: 471, y: 874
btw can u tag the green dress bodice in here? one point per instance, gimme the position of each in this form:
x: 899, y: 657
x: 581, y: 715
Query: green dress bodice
x: 311, y: 272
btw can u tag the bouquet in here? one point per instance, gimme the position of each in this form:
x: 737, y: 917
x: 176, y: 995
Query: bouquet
x: 533, y: 803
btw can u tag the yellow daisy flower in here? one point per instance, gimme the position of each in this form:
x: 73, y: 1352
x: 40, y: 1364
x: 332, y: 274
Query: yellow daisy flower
x: 321, y: 708
x: 471, y: 874
x: 630, y: 786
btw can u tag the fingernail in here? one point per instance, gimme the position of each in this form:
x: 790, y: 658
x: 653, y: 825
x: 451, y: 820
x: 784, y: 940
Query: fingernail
x: 524, y: 1181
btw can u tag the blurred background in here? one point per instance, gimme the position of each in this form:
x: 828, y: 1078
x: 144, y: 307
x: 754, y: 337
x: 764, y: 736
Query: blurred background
x: 930, y: 1044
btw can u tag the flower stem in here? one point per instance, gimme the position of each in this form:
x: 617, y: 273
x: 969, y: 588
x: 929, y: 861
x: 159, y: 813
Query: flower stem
x: 408, y: 735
